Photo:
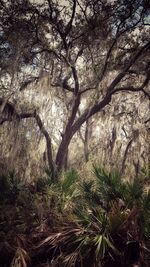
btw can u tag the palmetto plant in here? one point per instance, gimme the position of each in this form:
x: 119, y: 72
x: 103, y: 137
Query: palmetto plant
x: 63, y: 193
x: 21, y: 258
x: 109, y: 185
x: 75, y: 245
x: 111, y: 218
x: 84, y: 223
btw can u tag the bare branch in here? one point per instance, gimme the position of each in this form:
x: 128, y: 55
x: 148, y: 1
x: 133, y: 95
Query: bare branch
x: 88, y: 89
x: 123, y: 73
x: 109, y: 53
x: 76, y: 81
x: 136, y: 89
x: 132, y: 89
x: 49, y: 51
x: 63, y: 85
x: 69, y: 25
x: 43, y: 130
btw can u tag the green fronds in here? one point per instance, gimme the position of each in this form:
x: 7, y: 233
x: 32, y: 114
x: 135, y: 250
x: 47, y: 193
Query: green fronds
x: 104, y: 245
x: 75, y: 223
x: 70, y: 178
x: 109, y: 184
x: 134, y: 191
x: 90, y: 194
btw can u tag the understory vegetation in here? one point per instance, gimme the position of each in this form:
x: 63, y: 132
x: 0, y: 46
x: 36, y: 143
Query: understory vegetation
x: 103, y: 220
x: 74, y: 91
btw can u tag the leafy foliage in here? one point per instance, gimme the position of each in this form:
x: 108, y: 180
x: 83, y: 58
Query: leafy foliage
x: 75, y: 222
x: 111, y: 218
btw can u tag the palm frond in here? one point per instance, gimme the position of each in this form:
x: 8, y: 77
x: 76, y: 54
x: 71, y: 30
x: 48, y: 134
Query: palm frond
x: 134, y: 191
x: 69, y: 180
x: 21, y: 258
x: 104, y: 243
x: 109, y: 185
x: 71, y: 259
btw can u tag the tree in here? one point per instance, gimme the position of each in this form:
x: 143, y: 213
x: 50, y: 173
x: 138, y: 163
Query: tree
x: 94, y: 48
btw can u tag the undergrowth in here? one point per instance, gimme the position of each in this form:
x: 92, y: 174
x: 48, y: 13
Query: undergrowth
x: 102, y: 220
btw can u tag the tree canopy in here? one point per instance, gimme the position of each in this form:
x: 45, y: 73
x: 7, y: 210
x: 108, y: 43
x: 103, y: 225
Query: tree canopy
x: 85, y: 48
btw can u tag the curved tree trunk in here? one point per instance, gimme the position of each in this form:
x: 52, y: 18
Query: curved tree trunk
x: 62, y: 153
x: 74, y: 123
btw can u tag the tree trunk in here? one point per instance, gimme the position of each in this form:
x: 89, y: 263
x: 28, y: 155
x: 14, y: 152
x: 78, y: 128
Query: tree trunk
x: 72, y: 128
x: 125, y: 155
x: 66, y: 161
x: 48, y: 144
x: 62, y: 154
x: 86, y: 142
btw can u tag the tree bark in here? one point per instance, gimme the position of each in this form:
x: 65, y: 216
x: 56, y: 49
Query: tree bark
x: 85, y: 141
x: 67, y: 136
x: 73, y: 124
x: 72, y: 128
x: 62, y: 153
x: 125, y: 155
x: 48, y: 143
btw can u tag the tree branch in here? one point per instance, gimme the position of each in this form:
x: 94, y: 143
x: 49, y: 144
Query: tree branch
x: 48, y: 142
x: 90, y: 112
x: 132, y: 89
x: 123, y: 73
x: 43, y: 130
x: 110, y: 91
x: 69, y: 25
x: 136, y: 89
